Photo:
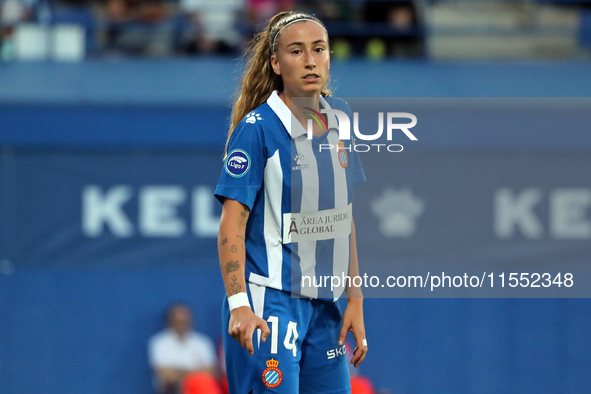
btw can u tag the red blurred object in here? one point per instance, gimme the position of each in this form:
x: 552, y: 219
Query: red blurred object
x: 361, y: 385
x: 200, y: 383
x: 223, y: 381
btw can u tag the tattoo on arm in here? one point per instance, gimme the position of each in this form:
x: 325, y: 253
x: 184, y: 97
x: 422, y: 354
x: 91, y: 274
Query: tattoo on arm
x: 233, y: 249
x: 224, y: 241
x: 232, y: 266
x: 242, y: 238
x: 235, y: 286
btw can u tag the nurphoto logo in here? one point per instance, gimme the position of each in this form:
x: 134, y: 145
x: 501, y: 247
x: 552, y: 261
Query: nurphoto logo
x: 345, y: 130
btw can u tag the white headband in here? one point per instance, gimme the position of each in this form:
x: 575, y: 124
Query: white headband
x: 296, y: 18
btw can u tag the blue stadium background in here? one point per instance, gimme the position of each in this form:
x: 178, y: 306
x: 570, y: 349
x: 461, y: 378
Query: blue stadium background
x: 76, y: 311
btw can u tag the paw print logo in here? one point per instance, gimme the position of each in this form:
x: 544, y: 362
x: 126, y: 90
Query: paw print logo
x: 299, y: 159
x: 397, y: 212
x: 253, y: 117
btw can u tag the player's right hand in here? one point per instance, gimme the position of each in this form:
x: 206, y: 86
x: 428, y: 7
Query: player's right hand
x: 243, y: 322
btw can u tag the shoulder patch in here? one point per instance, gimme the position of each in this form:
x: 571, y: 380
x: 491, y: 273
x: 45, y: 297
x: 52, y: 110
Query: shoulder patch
x: 237, y: 163
x: 253, y: 117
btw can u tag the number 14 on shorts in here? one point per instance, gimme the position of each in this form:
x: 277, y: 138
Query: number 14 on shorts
x: 291, y: 336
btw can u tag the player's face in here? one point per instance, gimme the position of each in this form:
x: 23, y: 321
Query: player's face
x: 302, y: 59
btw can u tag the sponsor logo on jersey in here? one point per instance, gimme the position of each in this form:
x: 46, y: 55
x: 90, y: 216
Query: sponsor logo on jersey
x: 343, y: 157
x: 317, y: 226
x: 336, y: 352
x: 237, y: 163
x: 272, y: 376
x: 293, y: 227
x: 299, y: 161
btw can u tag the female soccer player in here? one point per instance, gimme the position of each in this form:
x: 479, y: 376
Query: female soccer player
x: 286, y: 223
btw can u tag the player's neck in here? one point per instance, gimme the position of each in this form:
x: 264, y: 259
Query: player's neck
x: 300, y: 110
x: 313, y: 101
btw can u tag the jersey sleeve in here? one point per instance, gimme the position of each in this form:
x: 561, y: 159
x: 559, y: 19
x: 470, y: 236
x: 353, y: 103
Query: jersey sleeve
x: 243, y: 171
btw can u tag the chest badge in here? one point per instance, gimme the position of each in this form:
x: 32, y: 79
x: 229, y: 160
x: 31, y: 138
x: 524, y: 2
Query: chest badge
x: 342, y: 155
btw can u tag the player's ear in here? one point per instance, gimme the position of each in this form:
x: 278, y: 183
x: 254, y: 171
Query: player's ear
x: 275, y: 65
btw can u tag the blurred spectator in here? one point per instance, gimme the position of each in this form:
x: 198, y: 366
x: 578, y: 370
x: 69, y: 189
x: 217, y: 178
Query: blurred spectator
x: 342, y: 20
x: 142, y: 27
x: 211, y: 26
x: 404, y: 37
x: 260, y: 11
x: 13, y: 12
x: 159, y: 28
x: 183, y: 360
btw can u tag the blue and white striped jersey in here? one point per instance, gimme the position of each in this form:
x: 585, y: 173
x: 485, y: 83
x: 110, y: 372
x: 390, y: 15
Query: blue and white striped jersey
x: 300, y: 198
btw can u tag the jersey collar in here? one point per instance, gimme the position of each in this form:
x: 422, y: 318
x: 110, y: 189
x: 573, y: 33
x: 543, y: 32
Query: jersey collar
x: 288, y: 119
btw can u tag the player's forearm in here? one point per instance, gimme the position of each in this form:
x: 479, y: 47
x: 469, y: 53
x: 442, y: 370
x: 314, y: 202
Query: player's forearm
x: 232, y: 258
x: 354, y: 294
x: 231, y: 246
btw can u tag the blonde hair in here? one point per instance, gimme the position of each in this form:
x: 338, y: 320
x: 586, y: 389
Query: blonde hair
x: 259, y: 80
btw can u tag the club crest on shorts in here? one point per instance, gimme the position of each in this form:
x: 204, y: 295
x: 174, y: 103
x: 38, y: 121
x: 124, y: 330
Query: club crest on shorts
x: 272, y: 376
x: 237, y: 163
x: 342, y: 154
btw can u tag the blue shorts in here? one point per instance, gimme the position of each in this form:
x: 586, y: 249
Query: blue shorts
x: 301, y: 355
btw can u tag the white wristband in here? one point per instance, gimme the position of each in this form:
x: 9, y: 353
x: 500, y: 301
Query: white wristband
x: 238, y: 300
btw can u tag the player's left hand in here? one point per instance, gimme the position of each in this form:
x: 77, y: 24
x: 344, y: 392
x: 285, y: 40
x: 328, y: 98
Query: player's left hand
x: 353, y: 321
